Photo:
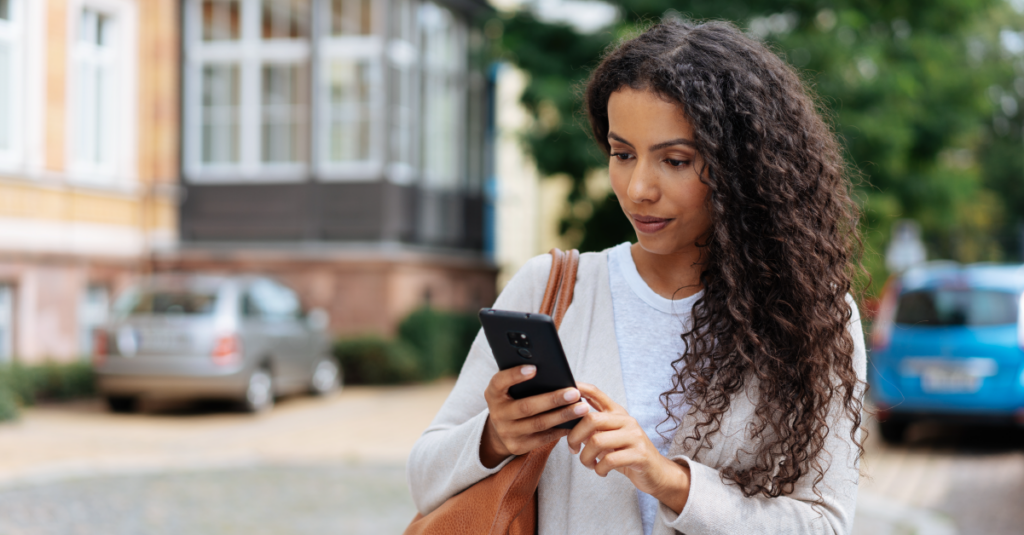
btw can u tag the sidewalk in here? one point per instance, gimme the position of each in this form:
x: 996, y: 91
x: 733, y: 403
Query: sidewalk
x: 359, y: 424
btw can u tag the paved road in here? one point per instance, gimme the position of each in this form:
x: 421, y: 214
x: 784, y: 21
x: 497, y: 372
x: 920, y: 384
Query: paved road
x: 970, y: 477
x: 336, y: 465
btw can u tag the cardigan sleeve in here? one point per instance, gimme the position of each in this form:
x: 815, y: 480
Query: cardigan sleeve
x: 718, y: 507
x: 446, y: 458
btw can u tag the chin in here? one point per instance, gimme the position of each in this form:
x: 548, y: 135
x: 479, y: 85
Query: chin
x: 656, y: 244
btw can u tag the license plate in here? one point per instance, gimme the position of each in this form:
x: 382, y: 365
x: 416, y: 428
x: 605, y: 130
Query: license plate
x: 941, y: 380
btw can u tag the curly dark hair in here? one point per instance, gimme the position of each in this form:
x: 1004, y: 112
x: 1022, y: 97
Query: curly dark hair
x: 779, y: 258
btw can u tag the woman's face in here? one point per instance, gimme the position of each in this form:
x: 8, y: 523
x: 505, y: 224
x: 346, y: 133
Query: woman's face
x: 654, y: 171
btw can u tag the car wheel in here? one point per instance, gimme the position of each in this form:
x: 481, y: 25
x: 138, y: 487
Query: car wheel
x: 122, y: 404
x: 326, y: 377
x: 259, y: 394
x: 893, y: 432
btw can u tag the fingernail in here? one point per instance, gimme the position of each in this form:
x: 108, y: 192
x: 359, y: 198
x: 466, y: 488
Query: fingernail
x: 573, y: 450
x: 581, y: 409
x: 572, y: 395
x: 528, y: 369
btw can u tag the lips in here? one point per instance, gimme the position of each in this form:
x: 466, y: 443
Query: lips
x: 649, y: 224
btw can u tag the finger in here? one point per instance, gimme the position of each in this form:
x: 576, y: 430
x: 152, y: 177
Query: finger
x: 592, y: 423
x: 598, y: 399
x: 617, y: 460
x: 603, y: 443
x: 547, y: 420
x: 541, y: 403
x: 500, y: 383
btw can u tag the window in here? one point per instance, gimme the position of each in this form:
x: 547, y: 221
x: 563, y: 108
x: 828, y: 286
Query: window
x: 403, y: 60
x: 351, y: 91
x: 6, y: 323
x: 444, y: 65
x: 271, y: 301
x: 10, y: 63
x: 265, y: 79
x: 93, y: 311
x: 95, y: 94
x: 932, y: 308
x: 247, y: 89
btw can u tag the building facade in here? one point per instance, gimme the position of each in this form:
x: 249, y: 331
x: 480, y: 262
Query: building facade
x: 340, y: 145
x: 88, y: 163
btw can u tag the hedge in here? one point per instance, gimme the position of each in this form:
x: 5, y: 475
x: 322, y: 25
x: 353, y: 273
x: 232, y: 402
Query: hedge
x: 23, y: 385
x: 430, y: 344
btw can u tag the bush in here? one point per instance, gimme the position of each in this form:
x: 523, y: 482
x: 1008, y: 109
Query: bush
x: 374, y: 360
x: 22, y: 385
x: 442, y: 340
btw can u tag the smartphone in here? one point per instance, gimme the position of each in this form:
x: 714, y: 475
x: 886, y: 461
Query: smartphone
x: 518, y: 338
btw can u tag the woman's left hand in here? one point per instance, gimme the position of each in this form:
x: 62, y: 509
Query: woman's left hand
x: 613, y: 440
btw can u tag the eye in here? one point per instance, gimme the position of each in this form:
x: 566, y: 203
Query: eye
x: 677, y: 163
x: 621, y: 156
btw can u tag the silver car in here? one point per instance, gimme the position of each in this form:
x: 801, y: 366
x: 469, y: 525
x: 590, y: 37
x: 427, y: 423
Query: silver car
x: 233, y: 337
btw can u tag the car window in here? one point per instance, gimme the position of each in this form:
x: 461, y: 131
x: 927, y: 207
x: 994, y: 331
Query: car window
x: 167, y: 302
x: 269, y: 300
x: 957, y: 307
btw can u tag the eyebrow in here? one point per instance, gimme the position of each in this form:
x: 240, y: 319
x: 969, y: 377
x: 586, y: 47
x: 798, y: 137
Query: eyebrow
x: 656, y: 146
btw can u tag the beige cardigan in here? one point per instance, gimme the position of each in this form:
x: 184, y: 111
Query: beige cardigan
x: 572, y: 498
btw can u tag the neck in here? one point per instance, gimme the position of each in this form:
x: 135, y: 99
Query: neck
x: 672, y: 276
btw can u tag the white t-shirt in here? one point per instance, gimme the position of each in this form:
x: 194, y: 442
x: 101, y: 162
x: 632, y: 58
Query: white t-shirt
x: 648, y: 329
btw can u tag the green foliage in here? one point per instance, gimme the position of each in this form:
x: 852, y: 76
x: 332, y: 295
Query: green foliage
x: 375, y: 360
x: 442, y: 340
x: 430, y: 344
x: 921, y: 93
x: 23, y: 385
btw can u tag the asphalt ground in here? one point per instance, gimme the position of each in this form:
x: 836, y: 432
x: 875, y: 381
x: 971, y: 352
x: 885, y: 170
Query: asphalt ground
x: 336, y: 465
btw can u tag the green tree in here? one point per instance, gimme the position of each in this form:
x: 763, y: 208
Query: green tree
x: 918, y: 90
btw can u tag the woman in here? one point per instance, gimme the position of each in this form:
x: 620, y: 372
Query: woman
x: 722, y: 352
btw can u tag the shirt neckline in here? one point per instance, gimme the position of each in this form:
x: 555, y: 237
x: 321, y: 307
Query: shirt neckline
x: 627, y: 268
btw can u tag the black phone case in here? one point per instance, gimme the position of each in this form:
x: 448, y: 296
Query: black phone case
x: 544, y: 350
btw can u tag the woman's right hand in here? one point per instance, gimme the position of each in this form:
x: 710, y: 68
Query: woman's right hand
x: 516, y: 426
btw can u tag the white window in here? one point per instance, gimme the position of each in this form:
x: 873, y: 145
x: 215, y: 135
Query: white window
x: 95, y: 64
x: 93, y: 311
x: 101, y: 91
x: 351, y: 92
x: 265, y: 78
x: 6, y: 323
x: 247, y: 90
x: 444, y: 96
x: 10, y: 67
x: 404, y: 65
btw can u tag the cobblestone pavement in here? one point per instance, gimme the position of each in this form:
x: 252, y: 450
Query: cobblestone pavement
x: 335, y: 465
x: 285, y: 500
x: 972, y: 477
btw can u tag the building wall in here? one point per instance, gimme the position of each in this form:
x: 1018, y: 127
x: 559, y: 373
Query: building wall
x: 364, y: 290
x: 66, y: 226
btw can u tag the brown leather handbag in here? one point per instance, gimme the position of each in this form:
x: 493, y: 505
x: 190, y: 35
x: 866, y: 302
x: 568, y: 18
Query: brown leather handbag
x: 506, y: 502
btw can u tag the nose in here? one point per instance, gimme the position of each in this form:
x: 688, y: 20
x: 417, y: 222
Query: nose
x: 643, y: 185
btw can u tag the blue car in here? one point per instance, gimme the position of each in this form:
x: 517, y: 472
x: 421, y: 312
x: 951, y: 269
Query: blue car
x: 948, y: 345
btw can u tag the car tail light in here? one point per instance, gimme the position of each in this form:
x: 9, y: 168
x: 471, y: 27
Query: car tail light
x: 227, y: 350
x: 881, y: 334
x: 100, y: 346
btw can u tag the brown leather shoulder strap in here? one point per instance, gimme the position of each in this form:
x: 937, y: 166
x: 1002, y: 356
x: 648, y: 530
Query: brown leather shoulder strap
x: 567, y: 286
x: 547, y: 305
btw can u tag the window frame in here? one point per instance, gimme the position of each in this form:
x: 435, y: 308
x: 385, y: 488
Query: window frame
x: 13, y: 32
x: 251, y: 53
x: 369, y: 48
x: 122, y: 170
